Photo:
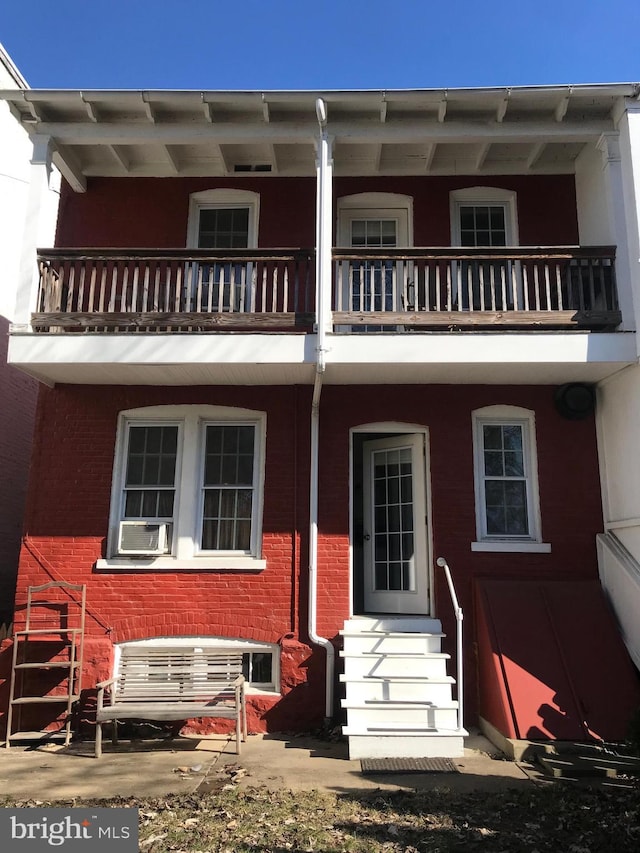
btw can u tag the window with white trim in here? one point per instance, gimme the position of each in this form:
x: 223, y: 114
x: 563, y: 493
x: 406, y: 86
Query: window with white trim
x: 506, y: 480
x: 222, y: 219
x: 485, y: 217
x: 187, y: 486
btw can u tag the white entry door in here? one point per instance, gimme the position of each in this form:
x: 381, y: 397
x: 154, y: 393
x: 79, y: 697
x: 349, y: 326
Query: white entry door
x: 396, y: 566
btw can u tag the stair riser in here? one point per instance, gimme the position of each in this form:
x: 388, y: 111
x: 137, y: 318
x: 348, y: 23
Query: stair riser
x: 358, y: 691
x: 390, y: 623
x: 440, y: 718
x: 386, y: 667
x: 381, y: 645
x: 433, y: 746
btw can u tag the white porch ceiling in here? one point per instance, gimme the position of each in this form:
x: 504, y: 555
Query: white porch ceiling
x: 539, y: 130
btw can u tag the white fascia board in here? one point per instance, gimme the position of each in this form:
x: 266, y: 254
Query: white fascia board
x: 576, y: 348
x: 161, y: 349
x: 479, y: 348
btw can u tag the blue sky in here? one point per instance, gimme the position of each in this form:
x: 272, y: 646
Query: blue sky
x: 326, y: 44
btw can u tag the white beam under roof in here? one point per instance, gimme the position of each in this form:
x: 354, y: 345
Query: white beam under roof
x: 119, y: 156
x: 535, y: 154
x: 69, y: 168
x: 429, y: 155
x: 502, y: 107
x: 148, y: 109
x: 265, y: 110
x: 563, y: 105
x: 356, y: 132
x: 482, y: 155
x: 90, y: 108
x: 208, y: 112
x: 171, y: 159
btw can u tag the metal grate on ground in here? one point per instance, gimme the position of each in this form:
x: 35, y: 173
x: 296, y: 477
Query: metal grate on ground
x: 407, y: 765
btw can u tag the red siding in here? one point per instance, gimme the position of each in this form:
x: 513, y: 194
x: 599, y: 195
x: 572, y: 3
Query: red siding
x: 18, y: 395
x: 152, y: 212
x: 68, y: 513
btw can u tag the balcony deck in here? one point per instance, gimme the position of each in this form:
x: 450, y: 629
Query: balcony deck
x: 273, y: 290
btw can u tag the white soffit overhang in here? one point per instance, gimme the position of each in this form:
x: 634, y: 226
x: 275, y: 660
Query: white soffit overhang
x: 539, y: 130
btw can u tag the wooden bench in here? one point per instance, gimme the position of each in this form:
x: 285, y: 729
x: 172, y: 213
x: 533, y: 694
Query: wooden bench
x: 173, y: 683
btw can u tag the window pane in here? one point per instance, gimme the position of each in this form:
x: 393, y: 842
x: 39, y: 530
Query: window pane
x: 224, y: 228
x: 512, y: 436
x: 261, y: 667
x: 492, y: 437
x: 493, y: 463
x: 513, y: 464
x: 151, y: 456
x: 133, y: 505
x: 228, y: 509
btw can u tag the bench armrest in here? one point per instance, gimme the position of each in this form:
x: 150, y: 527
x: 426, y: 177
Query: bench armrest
x: 102, y: 684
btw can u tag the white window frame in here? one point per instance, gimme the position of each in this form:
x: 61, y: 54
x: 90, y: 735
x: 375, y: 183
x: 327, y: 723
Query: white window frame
x: 223, y: 199
x: 376, y: 206
x: 231, y: 644
x: 525, y: 418
x: 479, y: 196
x: 187, y: 525
x: 366, y: 206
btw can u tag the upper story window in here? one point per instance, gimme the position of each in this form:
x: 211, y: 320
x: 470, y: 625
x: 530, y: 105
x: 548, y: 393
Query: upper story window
x: 506, y: 480
x: 374, y: 221
x: 223, y: 219
x: 483, y: 216
x: 219, y: 220
x: 187, y: 488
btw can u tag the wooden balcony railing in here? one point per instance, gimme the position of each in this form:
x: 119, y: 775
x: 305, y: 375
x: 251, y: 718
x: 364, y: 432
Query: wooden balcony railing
x: 107, y: 290
x: 405, y: 289
x: 273, y: 290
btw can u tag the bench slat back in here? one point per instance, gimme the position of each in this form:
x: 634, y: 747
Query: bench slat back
x: 176, y: 674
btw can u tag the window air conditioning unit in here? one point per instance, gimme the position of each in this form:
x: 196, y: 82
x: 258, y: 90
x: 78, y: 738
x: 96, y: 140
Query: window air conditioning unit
x: 142, y: 537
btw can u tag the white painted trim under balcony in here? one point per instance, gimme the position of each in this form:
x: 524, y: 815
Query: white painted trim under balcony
x: 289, y: 359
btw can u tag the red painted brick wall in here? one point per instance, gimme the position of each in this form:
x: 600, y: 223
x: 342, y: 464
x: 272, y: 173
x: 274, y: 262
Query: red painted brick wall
x: 66, y: 525
x: 153, y: 212
x: 68, y: 511
x: 18, y: 395
x: 569, y: 494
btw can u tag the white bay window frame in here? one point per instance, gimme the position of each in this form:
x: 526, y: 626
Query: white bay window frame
x: 186, y: 552
x: 532, y: 540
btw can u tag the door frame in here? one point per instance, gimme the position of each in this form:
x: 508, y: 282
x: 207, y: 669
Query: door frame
x: 383, y: 429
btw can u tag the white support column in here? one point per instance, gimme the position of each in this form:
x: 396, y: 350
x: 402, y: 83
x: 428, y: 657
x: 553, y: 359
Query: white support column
x: 35, y: 219
x: 629, y: 189
x: 622, y: 227
x: 324, y: 230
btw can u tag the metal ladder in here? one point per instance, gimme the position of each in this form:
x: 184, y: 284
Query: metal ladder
x: 54, y: 616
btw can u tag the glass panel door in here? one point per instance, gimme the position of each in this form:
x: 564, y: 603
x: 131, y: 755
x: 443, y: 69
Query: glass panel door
x: 395, y: 538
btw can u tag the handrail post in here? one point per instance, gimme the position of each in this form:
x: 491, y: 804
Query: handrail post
x: 459, y: 617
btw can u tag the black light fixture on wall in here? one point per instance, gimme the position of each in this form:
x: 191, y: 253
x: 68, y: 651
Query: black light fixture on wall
x: 575, y: 400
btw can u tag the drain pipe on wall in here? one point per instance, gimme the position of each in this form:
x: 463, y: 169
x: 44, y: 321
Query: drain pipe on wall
x: 323, y: 292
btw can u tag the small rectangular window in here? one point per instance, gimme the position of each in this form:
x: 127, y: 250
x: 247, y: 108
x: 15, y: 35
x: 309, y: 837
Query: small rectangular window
x: 507, y: 507
x: 505, y: 482
x: 228, y: 488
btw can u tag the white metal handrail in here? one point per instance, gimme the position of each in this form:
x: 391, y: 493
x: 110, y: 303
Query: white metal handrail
x: 459, y: 616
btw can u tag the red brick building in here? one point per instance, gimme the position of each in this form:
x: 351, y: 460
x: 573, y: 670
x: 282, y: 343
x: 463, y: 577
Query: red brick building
x: 293, y: 350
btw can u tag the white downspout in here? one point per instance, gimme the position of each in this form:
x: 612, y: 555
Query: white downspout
x: 323, y: 308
